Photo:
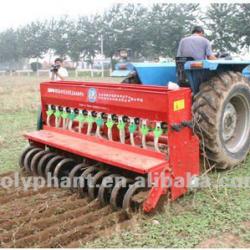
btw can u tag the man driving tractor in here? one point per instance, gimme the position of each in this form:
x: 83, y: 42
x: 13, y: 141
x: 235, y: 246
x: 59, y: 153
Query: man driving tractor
x: 196, y: 46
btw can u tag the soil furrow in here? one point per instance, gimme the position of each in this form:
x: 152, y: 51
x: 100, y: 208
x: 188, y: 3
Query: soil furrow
x: 43, y: 211
x: 64, y: 226
x: 116, y: 228
x: 81, y: 231
x: 9, y: 174
x: 22, y: 195
x: 51, y: 217
x: 46, y: 222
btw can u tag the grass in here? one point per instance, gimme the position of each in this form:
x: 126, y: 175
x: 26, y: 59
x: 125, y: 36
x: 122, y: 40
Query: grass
x: 19, y: 99
x: 18, y: 114
x: 208, y: 213
x: 192, y: 219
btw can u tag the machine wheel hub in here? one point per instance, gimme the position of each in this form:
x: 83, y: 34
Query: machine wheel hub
x: 236, y: 123
x: 229, y: 122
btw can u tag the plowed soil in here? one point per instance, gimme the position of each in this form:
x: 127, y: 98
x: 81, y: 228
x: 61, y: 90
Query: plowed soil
x: 52, y: 217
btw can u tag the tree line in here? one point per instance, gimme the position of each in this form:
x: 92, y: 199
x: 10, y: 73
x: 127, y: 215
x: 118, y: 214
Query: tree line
x: 147, y: 31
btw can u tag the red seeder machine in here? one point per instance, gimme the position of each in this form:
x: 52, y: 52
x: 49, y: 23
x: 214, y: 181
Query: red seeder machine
x: 104, y: 132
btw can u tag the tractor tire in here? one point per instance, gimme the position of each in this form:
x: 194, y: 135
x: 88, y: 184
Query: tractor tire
x: 221, y: 112
x: 132, y: 79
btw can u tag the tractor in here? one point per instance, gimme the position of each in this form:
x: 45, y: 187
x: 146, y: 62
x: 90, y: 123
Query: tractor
x: 142, y: 130
x: 124, y: 68
x: 221, y: 102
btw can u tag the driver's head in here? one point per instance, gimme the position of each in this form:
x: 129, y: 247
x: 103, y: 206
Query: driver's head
x: 59, y: 62
x: 198, y: 30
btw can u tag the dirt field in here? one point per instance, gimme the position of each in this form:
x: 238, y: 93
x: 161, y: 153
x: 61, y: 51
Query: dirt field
x: 54, y: 218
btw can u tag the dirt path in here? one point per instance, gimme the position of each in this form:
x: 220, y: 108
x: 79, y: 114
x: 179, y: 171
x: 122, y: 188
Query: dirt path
x: 54, y: 218
x: 227, y: 240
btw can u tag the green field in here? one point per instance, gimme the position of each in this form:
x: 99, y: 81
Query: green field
x: 215, y: 217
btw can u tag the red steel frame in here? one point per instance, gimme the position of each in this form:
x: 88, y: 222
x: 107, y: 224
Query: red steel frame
x: 145, y: 102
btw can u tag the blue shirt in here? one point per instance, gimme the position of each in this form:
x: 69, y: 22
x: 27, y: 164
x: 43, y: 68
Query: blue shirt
x: 195, y: 46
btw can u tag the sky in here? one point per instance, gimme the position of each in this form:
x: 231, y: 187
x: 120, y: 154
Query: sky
x: 14, y: 13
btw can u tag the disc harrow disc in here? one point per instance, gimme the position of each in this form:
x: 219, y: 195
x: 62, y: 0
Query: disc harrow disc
x: 95, y: 183
x: 35, y: 160
x: 76, y: 172
x: 83, y: 181
x: 127, y: 200
x: 28, y: 158
x: 43, y: 162
x: 22, y: 156
x: 63, y: 169
x: 51, y: 165
x: 106, y: 188
x: 118, y: 192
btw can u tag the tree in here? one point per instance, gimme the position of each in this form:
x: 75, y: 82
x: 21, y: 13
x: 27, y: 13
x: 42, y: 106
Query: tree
x: 58, y: 35
x: 148, y: 32
x: 34, y: 39
x: 35, y: 66
x: 242, y: 25
x: 123, y: 26
x: 221, y: 22
x: 166, y: 25
x: 85, y: 40
x: 9, y: 47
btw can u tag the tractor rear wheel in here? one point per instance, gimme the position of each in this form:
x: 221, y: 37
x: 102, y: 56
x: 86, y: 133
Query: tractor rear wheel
x: 221, y: 112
